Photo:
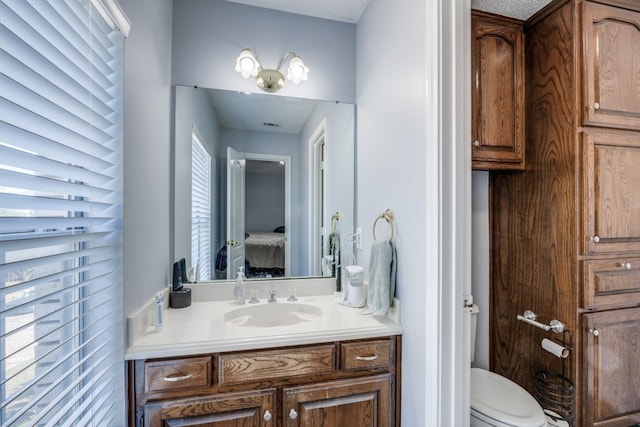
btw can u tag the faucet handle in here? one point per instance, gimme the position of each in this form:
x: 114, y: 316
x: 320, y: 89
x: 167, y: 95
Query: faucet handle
x: 292, y: 295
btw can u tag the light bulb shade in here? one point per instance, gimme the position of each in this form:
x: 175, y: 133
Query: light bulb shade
x: 247, y: 64
x: 297, y: 70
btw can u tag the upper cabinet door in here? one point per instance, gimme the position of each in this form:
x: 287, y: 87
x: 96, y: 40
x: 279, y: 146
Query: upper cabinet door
x: 611, y: 171
x: 497, y: 93
x: 612, y: 66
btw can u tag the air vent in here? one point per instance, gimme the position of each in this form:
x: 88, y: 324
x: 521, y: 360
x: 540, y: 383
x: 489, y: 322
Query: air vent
x: 271, y: 125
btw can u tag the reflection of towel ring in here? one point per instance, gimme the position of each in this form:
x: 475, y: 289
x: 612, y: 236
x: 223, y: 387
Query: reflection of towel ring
x: 387, y: 216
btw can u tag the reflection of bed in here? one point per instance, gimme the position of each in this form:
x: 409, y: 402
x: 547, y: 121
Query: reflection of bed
x: 265, y: 249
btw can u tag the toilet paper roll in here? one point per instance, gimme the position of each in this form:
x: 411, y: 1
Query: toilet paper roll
x: 555, y: 348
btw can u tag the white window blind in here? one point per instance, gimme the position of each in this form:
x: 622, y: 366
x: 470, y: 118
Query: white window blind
x: 61, y: 332
x: 201, y: 259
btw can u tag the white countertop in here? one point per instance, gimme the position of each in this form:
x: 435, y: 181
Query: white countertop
x: 200, y: 328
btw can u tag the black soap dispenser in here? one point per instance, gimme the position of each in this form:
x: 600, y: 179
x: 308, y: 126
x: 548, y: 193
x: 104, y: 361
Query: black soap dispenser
x: 180, y: 296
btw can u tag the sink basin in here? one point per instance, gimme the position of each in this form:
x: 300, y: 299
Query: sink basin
x: 272, y: 314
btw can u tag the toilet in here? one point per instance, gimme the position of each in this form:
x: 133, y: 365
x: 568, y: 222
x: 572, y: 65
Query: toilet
x: 497, y: 401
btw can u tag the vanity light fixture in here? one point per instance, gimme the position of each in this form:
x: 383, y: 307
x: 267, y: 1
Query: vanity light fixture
x: 269, y: 80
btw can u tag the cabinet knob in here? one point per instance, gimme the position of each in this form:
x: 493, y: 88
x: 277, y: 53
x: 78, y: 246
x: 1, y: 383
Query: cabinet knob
x: 594, y: 239
x: 595, y: 106
x: 293, y: 414
x: 626, y: 265
x: 476, y: 143
x: 594, y: 332
x: 267, y: 416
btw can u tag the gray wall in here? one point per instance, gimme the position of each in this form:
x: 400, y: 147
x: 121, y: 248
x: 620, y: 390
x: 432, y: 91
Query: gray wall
x: 208, y: 35
x: 147, y: 136
x: 398, y: 169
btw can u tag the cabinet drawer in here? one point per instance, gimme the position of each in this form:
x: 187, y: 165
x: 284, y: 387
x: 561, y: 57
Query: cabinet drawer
x: 366, y: 355
x: 276, y: 364
x: 169, y: 375
x: 611, y: 282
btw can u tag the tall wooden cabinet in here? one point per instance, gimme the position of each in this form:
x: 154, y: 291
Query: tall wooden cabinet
x: 566, y: 232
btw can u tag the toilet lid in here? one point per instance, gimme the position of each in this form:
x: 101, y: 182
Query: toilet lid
x: 503, y: 400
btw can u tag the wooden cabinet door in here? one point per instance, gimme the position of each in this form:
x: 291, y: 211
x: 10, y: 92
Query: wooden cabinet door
x: 497, y: 94
x: 363, y: 402
x: 612, y: 368
x: 244, y: 409
x: 611, y: 191
x: 611, y: 66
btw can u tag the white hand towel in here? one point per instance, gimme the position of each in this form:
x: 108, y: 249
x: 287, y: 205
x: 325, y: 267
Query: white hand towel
x: 382, y: 277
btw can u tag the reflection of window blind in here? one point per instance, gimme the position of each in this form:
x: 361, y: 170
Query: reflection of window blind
x: 60, y: 214
x: 200, y: 210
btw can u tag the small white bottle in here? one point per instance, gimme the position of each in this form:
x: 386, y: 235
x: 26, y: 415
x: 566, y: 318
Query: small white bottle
x: 159, y: 318
x: 240, y: 289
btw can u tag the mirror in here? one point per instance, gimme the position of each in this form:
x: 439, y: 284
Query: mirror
x: 263, y: 182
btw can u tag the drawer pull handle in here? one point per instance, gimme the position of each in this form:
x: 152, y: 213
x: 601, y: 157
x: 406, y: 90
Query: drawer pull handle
x: 476, y: 143
x: 293, y: 414
x: 175, y: 379
x: 367, y: 358
x: 626, y: 265
x: 267, y: 416
x: 594, y: 239
x: 596, y: 106
x: 595, y: 332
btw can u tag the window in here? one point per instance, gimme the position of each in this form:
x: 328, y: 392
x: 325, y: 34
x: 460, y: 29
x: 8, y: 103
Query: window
x: 200, y: 210
x: 61, y: 343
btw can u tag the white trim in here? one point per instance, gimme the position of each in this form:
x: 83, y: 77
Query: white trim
x: 455, y: 202
x: 112, y: 12
x: 318, y: 135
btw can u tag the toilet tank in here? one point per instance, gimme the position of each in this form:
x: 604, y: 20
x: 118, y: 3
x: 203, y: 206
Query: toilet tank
x: 474, y: 322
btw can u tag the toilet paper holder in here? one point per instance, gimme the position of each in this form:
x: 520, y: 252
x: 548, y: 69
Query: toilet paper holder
x: 530, y: 318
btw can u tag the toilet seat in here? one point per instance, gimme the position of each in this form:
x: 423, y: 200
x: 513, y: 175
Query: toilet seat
x: 501, y: 402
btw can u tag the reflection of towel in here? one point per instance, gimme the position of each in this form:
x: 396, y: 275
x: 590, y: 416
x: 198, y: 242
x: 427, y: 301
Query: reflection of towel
x: 382, y: 277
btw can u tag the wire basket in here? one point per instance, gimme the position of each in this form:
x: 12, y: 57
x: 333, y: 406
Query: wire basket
x: 556, y: 395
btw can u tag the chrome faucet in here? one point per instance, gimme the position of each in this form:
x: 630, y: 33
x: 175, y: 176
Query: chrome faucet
x: 272, y: 295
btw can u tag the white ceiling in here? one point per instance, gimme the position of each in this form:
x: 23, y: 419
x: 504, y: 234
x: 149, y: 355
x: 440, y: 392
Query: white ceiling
x: 519, y: 9
x: 351, y: 10
x: 336, y: 10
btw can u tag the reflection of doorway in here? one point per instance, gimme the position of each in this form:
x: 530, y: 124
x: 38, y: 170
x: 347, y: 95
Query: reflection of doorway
x: 266, y: 215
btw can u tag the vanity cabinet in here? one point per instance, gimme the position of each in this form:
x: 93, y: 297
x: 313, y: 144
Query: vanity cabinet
x: 565, y: 234
x: 497, y: 92
x: 342, y: 383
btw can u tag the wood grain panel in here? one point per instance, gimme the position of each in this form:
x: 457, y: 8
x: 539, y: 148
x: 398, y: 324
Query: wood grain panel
x: 356, y: 402
x: 613, y: 375
x: 611, y: 282
x: 176, y: 374
x: 534, y: 215
x: 366, y: 355
x: 612, y: 66
x: 264, y: 365
x: 497, y: 63
x: 612, y: 199
x: 245, y: 409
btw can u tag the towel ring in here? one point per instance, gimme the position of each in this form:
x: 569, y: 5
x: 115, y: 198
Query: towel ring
x: 387, y: 216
